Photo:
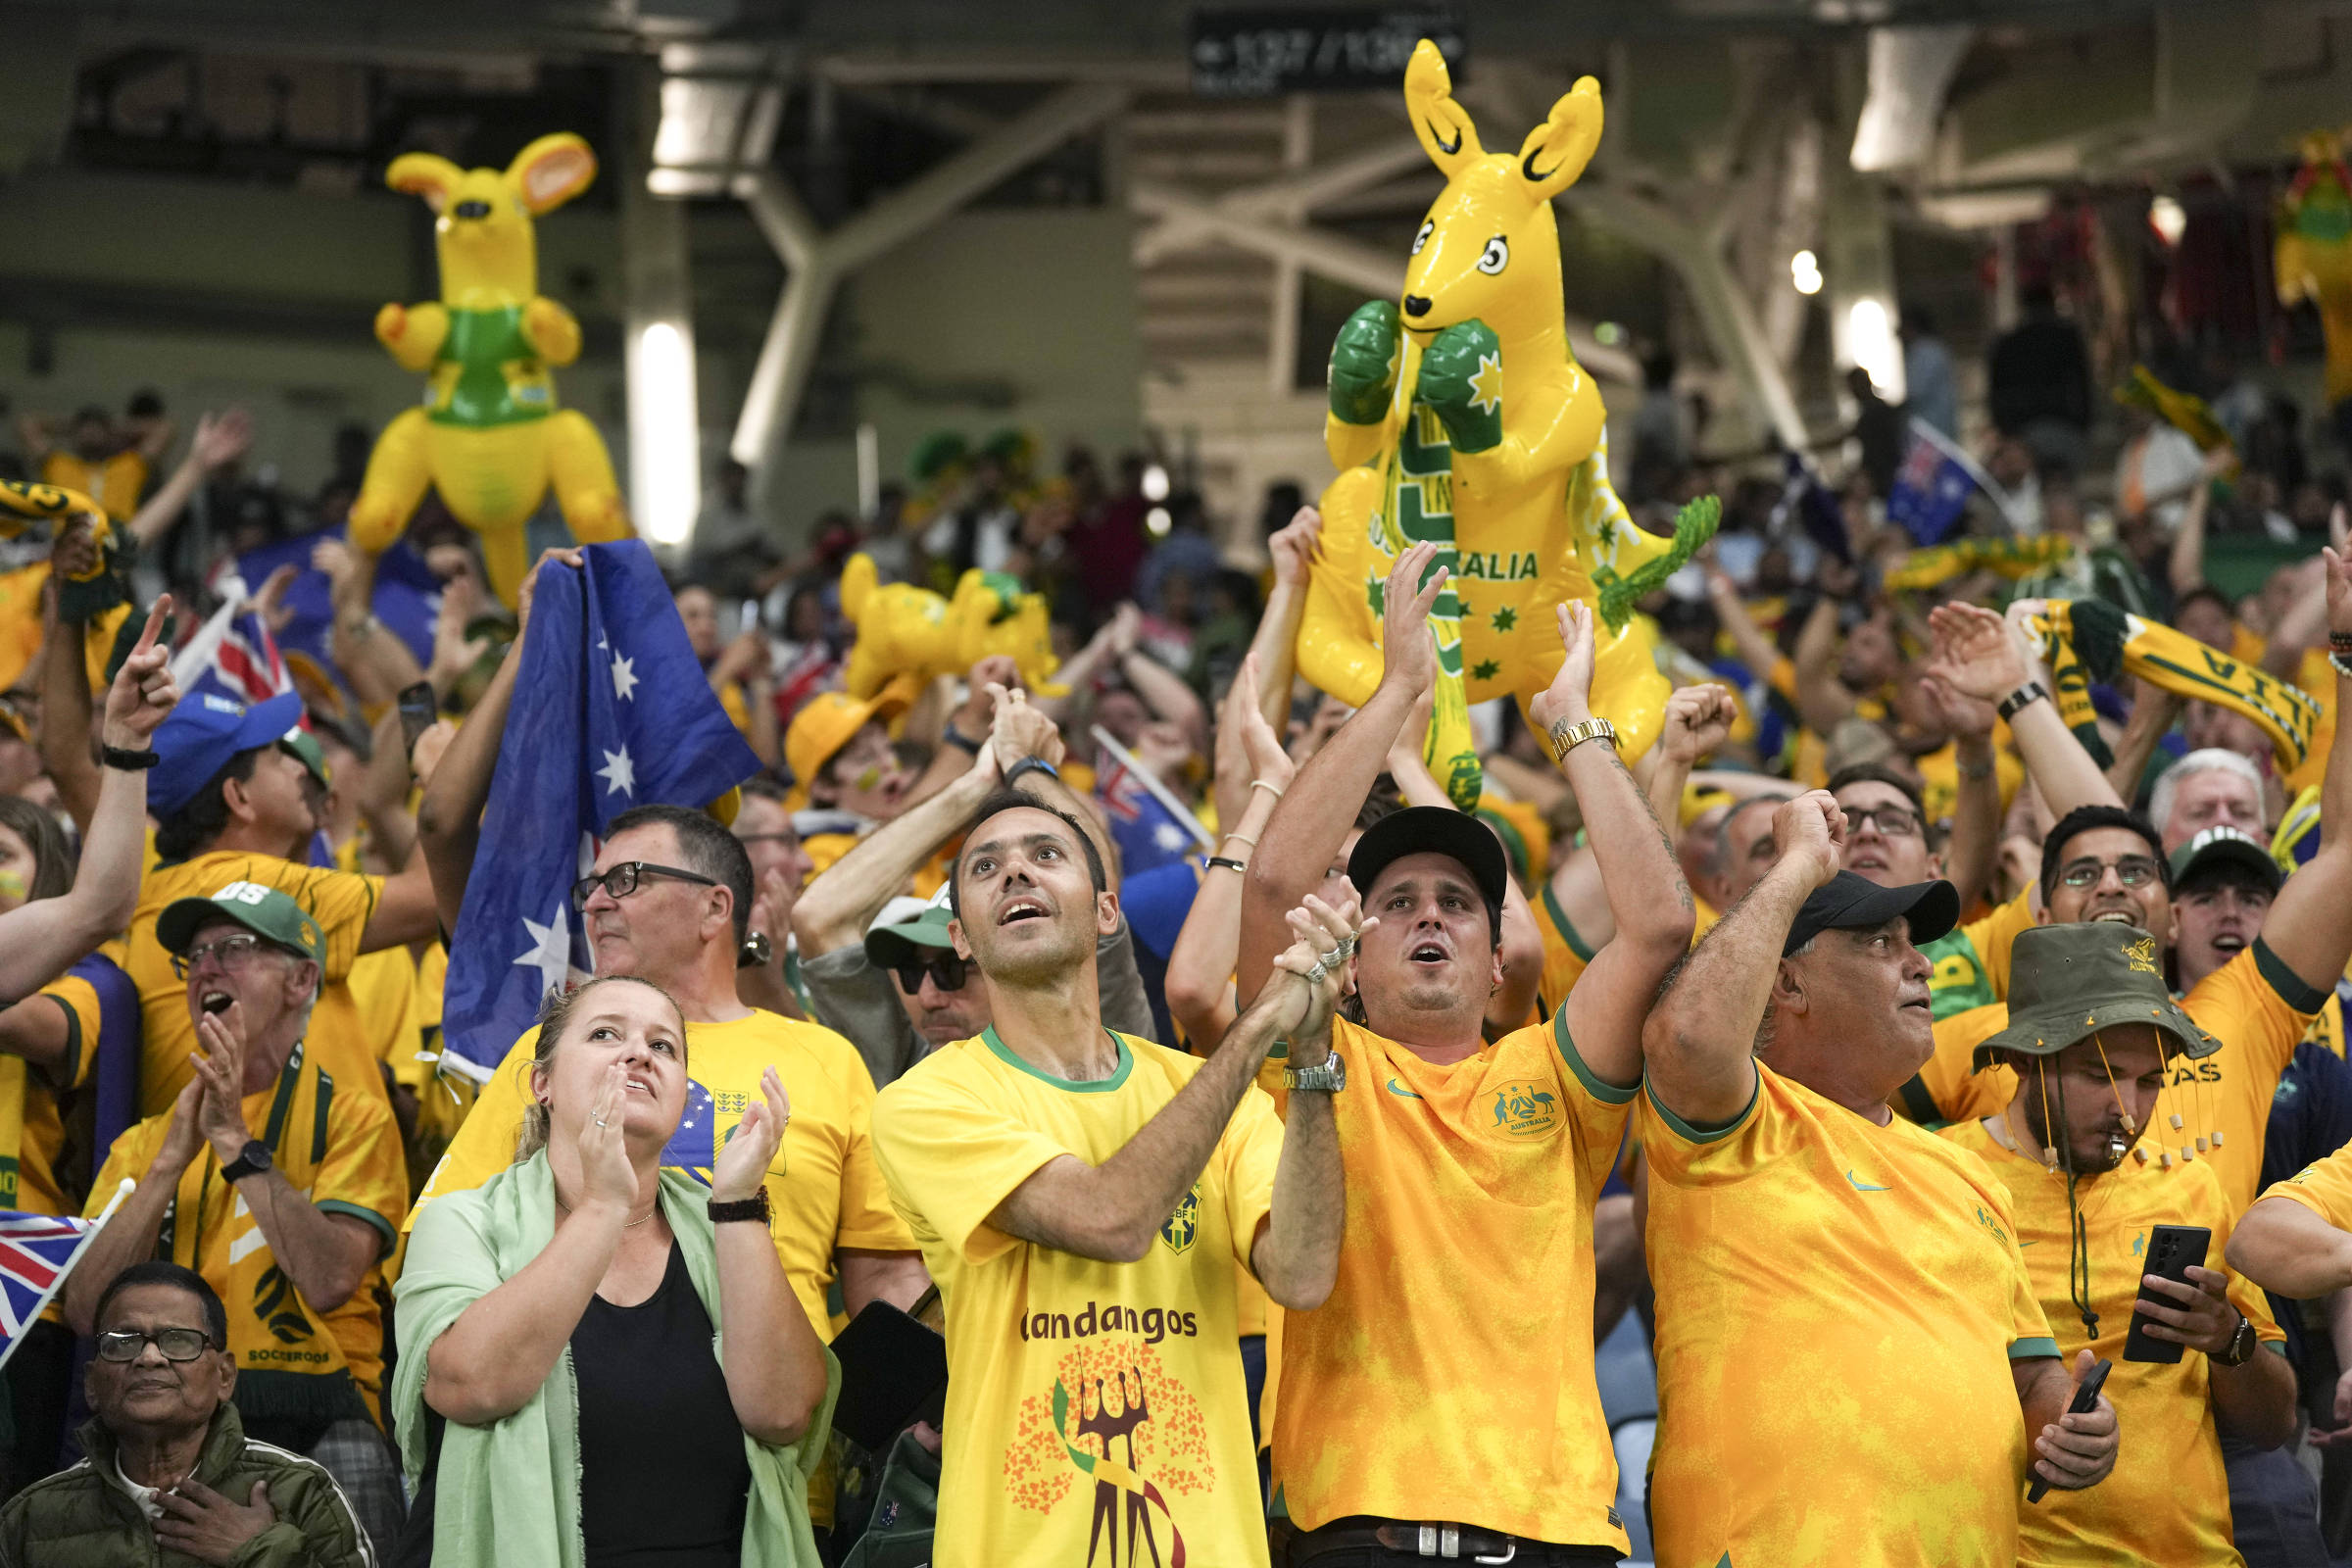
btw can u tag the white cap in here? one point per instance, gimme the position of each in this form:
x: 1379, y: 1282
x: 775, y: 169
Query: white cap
x: 898, y: 911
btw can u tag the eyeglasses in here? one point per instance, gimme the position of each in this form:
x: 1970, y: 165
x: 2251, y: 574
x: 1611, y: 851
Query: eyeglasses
x: 623, y: 880
x: 230, y: 953
x: 2131, y: 870
x: 1891, y: 821
x: 947, y: 971
x: 177, y: 1344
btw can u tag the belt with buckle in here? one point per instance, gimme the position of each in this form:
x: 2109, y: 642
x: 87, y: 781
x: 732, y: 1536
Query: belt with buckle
x: 1431, y: 1539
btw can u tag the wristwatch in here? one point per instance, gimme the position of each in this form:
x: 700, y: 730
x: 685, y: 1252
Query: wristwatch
x: 2025, y: 695
x: 1575, y: 735
x: 1327, y: 1077
x: 251, y: 1160
x: 2242, y: 1344
x: 755, y: 1206
x: 1027, y: 765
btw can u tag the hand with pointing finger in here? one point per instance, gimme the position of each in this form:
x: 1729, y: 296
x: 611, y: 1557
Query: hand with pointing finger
x: 143, y: 693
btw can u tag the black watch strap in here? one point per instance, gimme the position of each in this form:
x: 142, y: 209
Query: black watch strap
x: 755, y: 1206
x: 128, y: 761
x: 956, y: 737
x: 254, y: 1159
x: 2030, y: 691
x: 1026, y: 766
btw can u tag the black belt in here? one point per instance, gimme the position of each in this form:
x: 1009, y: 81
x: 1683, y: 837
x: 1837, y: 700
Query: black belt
x: 1441, y: 1541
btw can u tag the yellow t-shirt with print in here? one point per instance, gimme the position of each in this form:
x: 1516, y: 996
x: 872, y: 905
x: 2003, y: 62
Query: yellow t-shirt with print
x: 1466, y: 1271
x: 1839, y: 1305
x: 340, y: 1148
x: 1083, y: 1395
x: 2254, y: 1004
x: 2167, y: 1499
x: 825, y: 1191
x: 339, y: 901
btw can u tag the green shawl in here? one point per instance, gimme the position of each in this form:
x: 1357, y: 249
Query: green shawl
x: 509, y: 1492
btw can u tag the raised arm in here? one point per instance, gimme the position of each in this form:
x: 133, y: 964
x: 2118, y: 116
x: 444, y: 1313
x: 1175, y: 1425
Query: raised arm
x: 40, y: 940
x: 1698, y: 1046
x: 1166, y: 693
x: 1113, y: 1211
x: 1276, y: 644
x: 1976, y: 836
x: 220, y: 438
x: 449, y: 818
x: 1821, y: 697
x: 2310, y: 922
x: 2284, y: 1247
x: 1756, y: 651
x: 1649, y: 904
x: 66, y: 711
x: 1199, y: 984
x: 130, y: 1236
x: 2154, y: 712
x: 2186, y: 563
x: 772, y: 1360
x: 836, y: 906
x: 1981, y: 656
x: 1315, y: 812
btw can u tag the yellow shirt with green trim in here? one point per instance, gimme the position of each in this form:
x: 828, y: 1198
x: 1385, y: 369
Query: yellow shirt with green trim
x: 340, y: 1148
x: 33, y: 1146
x: 1083, y: 1396
x: 825, y: 1191
x: 339, y: 901
x: 1464, y: 1297
x: 2254, y: 1004
x: 2167, y: 1499
x: 2326, y: 1029
x: 1839, y: 1305
x: 1565, y: 954
x: 2324, y: 1187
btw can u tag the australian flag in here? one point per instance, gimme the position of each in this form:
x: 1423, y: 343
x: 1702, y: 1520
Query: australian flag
x: 1150, y: 828
x: 1933, y: 486
x: 36, y: 1251
x: 611, y: 711
x: 232, y: 655
x: 406, y: 599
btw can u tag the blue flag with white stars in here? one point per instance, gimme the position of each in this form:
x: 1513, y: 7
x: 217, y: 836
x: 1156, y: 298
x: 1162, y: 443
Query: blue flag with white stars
x: 611, y: 712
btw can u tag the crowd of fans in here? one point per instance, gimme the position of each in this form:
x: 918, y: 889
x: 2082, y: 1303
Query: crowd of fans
x: 1858, y: 1040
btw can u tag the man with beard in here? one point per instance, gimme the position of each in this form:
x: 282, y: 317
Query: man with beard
x: 1792, y: 1216
x: 2093, y: 1036
x: 1083, y: 1199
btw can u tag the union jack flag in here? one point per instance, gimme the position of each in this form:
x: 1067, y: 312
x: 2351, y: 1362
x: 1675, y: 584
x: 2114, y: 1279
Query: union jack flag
x: 233, y: 653
x: 36, y: 1252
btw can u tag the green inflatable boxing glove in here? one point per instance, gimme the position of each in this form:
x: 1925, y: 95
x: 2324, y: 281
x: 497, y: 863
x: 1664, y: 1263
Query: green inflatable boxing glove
x: 1363, y: 363
x: 1461, y: 379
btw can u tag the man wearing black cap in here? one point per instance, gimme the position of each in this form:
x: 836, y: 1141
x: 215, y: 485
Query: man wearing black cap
x: 2091, y: 1038
x: 1442, y: 1402
x: 1847, y: 1330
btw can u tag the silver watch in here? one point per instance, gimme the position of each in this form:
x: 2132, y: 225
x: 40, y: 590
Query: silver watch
x: 1329, y: 1076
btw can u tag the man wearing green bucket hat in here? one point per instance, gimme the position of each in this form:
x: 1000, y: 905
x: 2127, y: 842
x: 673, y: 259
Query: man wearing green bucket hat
x: 2093, y: 1038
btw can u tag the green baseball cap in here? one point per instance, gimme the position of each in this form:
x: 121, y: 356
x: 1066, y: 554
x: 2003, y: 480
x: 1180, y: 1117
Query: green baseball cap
x: 2225, y: 846
x: 309, y: 753
x: 903, y: 931
x: 2068, y: 982
x: 262, y: 910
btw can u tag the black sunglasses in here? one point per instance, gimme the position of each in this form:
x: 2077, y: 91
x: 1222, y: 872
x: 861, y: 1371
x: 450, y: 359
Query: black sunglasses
x: 623, y: 880
x: 947, y: 971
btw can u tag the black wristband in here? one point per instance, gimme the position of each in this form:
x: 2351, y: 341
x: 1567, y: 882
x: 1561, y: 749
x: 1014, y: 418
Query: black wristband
x: 116, y: 756
x: 1027, y: 765
x: 2030, y: 693
x: 1229, y: 862
x: 956, y: 737
x: 755, y: 1206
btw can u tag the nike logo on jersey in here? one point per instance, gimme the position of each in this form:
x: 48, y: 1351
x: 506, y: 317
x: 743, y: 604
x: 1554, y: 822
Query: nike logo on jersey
x: 1396, y: 1088
x: 1861, y: 1186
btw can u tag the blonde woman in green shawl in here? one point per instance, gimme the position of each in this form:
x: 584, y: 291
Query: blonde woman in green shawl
x: 600, y: 1365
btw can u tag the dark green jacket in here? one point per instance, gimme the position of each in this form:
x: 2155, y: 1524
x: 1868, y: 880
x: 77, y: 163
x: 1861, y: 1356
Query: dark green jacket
x: 82, y: 1518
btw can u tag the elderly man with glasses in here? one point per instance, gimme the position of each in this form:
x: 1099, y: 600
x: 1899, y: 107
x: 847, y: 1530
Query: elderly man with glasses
x: 171, y: 1470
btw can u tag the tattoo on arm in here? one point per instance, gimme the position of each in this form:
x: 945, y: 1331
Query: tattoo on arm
x: 1682, y: 887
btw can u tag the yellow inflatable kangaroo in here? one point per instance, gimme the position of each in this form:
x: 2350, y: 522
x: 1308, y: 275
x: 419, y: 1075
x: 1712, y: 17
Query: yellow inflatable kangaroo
x: 903, y: 629
x: 1467, y: 422
x: 489, y: 437
x: 2313, y: 252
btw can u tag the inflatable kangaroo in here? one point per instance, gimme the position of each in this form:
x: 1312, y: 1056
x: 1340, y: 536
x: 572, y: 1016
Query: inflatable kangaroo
x: 2313, y: 253
x: 1464, y: 420
x: 489, y: 437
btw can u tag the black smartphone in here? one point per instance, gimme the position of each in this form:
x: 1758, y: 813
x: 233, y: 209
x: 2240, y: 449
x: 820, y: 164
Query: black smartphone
x: 893, y: 1370
x: 418, y: 709
x: 2172, y: 1251
x: 2086, y: 1400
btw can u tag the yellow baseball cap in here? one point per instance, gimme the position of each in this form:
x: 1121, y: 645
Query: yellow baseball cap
x: 830, y: 720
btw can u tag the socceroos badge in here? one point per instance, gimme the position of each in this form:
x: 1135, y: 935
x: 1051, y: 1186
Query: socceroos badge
x: 1526, y: 1111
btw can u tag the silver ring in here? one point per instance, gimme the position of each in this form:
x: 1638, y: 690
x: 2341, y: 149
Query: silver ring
x: 600, y: 1121
x: 1315, y: 974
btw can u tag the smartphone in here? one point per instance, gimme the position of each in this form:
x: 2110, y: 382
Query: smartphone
x: 418, y: 709
x: 2172, y: 1251
x: 2086, y: 1400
